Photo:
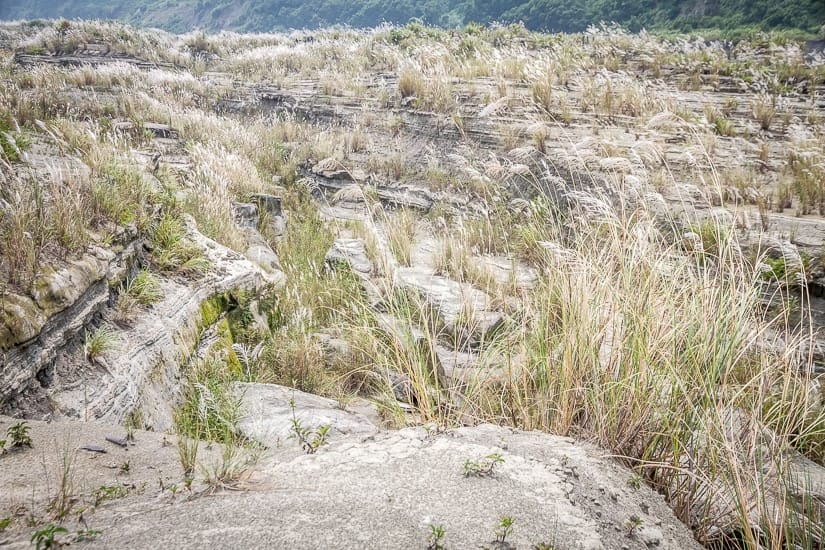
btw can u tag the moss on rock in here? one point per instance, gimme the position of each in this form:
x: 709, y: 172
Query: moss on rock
x: 22, y: 320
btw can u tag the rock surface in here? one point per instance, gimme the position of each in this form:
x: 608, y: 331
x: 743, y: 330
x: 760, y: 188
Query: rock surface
x: 465, y: 311
x: 145, y: 374
x: 34, y: 330
x: 266, y: 413
x: 378, y: 491
x: 352, y: 253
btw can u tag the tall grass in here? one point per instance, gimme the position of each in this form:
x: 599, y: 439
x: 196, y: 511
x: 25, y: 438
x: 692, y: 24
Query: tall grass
x: 669, y: 364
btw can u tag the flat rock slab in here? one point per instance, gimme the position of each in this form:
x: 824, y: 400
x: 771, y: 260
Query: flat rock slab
x: 385, y: 492
x: 510, y: 272
x: 266, y: 414
x: 352, y: 253
x: 261, y: 254
x: 465, y: 310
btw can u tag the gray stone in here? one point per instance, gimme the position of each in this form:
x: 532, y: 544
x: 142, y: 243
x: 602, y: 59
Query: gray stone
x: 332, y: 169
x: 266, y: 414
x: 261, y: 254
x: 267, y: 203
x: 146, y: 373
x: 465, y: 311
x: 379, y: 491
x: 774, y: 248
x: 246, y: 214
x: 160, y: 130
x: 34, y: 331
x: 686, y: 193
x: 352, y: 253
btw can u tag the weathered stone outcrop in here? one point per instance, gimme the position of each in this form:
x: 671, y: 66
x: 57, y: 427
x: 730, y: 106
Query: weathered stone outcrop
x: 34, y: 329
x: 247, y: 216
x: 465, y: 311
x: 145, y: 375
x: 266, y: 413
x: 351, y: 253
x: 331, y: 175
x: 86, y: 54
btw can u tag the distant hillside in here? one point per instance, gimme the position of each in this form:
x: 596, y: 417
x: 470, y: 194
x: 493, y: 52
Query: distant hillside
x: 806, y: 16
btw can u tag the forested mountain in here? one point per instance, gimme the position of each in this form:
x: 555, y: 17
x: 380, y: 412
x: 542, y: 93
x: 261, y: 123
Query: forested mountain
x: 807, y: 16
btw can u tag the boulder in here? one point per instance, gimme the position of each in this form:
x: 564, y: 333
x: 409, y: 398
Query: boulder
x: 34, y: 330
x: 146, y: 374
x: 267, y: 203
x: 55, y: 290
x: 333, y: 169
x: 246, y: 214
x: 160, y: 130
x: 261, y: 254
x: 465, y: 311
x: 351, y: 253
x: 686, y: 193
x: 267, y: 415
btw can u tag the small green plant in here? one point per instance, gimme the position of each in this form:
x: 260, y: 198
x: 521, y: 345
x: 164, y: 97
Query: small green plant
x: 764, y: 111
x: 436, y: 537
x: 86, y: 534
x: 635, y: 481
x: 99, y: 342
x: 633, y: 523
x: 144, y: 288
x: 65, y: 499
x: 19, y: 435
x: 230, y: 469
x: 45, y: 537
x: 188, y: 454
x: 310, y: 440
x: 173, y: 251
x: 5, y: 522
x: 483, y: 467
x: 2, y: 446
x: 503, y: 529
x: 724, y: 127
x: 108, y: 492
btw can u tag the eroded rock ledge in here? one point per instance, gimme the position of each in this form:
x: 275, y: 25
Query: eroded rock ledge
x: 35, y: 328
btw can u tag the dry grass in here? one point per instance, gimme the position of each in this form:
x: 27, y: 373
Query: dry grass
x: 663, y: 358
x: 400, y: 228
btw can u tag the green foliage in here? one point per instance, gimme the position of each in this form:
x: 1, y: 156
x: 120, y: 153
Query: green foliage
x: 504, y: 528
x: 483, y: 467
x: 724, y: 127
x: 85, y: 534
x: 99, y: 342
x: 144, y: 288
x: 310, y: 439
x: 743, y: 16
x: 172, y: 250
x: 12, y: 142
x: 209, y: 410
x: 120, y: 195
x: 19, y: 435
x: 435, y: 538
x: 109, y: 492
x: 45, y: 537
